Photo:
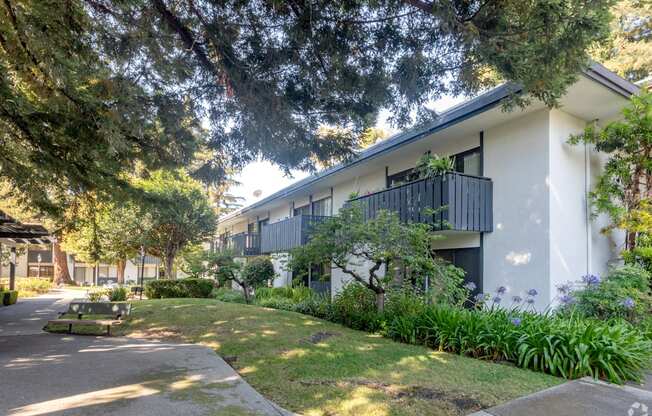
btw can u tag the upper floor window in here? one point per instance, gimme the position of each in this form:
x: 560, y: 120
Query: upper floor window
x: 304, y: 210
x: 400, y: 177
x: 322, y: 207
x: 469, y: 162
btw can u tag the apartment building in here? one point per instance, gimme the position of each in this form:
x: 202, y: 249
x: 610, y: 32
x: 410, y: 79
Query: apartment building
x: 516, y: 204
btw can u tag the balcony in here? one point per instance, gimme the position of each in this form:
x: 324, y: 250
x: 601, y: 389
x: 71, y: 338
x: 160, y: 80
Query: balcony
x: 284, y: 235
x: 461, y: 202
x: 242, y: 244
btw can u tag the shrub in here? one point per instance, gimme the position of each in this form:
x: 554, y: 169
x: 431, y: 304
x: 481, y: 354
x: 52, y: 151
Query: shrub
x: 95, y: 295
x: 258, y: 271
x: 117, y: 294
x: 278, y: 303
x: 31, y: 286
x: 569, y: 347
x: 228, y: 295
x: 9, y: 297
x: 296, y: 294
x: 183, y: 288
x: 624, y: 293
x: 355, y: 306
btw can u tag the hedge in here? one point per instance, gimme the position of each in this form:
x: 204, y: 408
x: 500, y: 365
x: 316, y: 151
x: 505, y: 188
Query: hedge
x: 182, y: 288
x: 9, y: 297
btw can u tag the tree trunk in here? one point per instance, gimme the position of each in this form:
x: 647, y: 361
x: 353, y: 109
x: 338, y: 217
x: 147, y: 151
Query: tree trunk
x: 61, y: 273
x: 380, y: 301
x: 120, y: 270
x: 169, y: 266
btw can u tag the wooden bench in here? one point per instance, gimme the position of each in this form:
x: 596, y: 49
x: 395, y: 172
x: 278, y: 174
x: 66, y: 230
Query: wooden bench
x: 115, y: 313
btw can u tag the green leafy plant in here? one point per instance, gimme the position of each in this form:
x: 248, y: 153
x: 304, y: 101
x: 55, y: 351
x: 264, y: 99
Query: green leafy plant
x: 362, y: 247
x: 430, y: 166
x: 624, y: 293
x: 9, y: 297
x: 183, y: 288
x: 95, y: 295
x: 228, y: 295
x: 296, y: 294
x: 226, y: 269
x: 117, y: 294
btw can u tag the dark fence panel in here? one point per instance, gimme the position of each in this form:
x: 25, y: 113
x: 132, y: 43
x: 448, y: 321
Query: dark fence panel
x: 242, y: 244
x: 287, y: 234
x: 452, y: 201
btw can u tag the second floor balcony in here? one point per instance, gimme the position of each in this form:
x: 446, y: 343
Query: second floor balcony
x: 287, y: 234
x: 452, y: 201
x: 242, y: 244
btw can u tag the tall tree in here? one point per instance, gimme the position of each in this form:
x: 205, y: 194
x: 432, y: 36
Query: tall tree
x: 90, y: 87
x: 107, y: 232
x: 177, y: 212
x: 267, y: 74
x: 629, y: 49
x: 70, y: 122
x: 624, y: 190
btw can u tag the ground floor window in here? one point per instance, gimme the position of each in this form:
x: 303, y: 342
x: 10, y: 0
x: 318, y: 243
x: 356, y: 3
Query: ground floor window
x: 317, y: 277
x: 467, y: 259
x: 40, y: 271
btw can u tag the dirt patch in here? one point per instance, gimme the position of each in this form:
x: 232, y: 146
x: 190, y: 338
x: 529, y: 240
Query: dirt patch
x: 318, y: 337
x: 397, y: 392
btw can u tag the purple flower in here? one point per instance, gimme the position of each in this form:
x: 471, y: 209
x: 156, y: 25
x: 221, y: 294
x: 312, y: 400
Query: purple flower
x: 567, y: 299
x: 517, y: 299
x: 532, y: 292
x: 529, y: 301
x: 470, y: 286
x: 497, y: 299
x: 479, y: 297
x: 564, y: 289
x: 516, y: 321
x: 591, y: 279
x: 501, y: 290
x: 628, y: 303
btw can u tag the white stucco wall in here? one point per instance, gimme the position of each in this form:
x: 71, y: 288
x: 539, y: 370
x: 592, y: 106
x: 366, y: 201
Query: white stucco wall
x: 516, y: 253
x: 283, y: 276
x: 569, y: 247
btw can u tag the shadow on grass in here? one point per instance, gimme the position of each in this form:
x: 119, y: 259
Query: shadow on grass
x: 286, y: 357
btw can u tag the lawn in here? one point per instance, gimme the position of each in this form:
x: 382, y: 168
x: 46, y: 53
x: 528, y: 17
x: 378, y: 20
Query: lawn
x: 315, y: 367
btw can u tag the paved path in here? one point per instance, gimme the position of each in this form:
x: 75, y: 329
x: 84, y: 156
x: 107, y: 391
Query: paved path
x: 48, y: 374
x: 584, y: 397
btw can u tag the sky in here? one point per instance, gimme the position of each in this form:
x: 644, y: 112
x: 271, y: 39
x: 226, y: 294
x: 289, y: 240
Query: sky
x: 265, y: 177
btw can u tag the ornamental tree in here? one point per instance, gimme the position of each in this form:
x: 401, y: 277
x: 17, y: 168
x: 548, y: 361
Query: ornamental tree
x: 624, y: 190
x: 369, y: 251
x: 255, y: 273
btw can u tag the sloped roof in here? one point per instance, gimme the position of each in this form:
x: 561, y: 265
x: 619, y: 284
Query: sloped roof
x: 454, y: 115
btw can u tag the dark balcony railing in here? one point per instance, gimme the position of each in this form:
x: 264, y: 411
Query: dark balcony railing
x: 287, y: 234
x: 457, y: 202
x: 243, y: 244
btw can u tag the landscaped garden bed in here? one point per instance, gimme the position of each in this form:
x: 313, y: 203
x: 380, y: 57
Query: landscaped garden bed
x: 316, y: 367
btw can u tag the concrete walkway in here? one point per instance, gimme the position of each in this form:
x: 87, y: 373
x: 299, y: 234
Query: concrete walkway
x: 584, y: 397
x: 48, y: 374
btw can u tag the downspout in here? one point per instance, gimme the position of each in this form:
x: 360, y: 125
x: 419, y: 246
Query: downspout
x: 587, y: 202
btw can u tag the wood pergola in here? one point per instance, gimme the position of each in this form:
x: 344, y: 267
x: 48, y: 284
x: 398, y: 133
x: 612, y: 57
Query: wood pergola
x: 14, y: 232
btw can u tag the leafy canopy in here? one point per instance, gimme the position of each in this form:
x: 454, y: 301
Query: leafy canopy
x: 177, y: 212
x: 624, y: 190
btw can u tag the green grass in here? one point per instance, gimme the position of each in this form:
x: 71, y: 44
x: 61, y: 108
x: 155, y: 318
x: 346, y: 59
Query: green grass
x: 346, y: 373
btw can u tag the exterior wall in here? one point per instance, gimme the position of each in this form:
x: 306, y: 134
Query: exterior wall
x: 283, y: 276
x: 516, y: 253
x: 569, y: 248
